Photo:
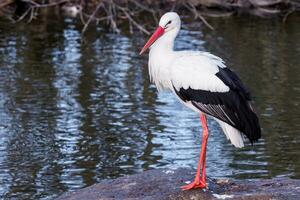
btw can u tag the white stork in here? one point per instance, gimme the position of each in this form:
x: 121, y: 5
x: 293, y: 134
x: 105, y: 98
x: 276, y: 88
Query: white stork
x: 201, y: 82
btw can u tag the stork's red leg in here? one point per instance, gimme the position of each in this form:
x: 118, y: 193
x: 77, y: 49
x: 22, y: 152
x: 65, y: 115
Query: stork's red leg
x: 200, y: 178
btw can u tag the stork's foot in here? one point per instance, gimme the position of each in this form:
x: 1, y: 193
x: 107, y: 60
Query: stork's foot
x: 195, y: 184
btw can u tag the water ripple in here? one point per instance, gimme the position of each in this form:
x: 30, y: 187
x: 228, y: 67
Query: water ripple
x: 75, y: 111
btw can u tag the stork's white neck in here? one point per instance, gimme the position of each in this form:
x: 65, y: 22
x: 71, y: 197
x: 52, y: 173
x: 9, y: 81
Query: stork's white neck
x: 166, y: 41
x: 160, y: 58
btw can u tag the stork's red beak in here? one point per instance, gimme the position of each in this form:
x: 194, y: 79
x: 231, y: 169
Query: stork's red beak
x: 158, y: 32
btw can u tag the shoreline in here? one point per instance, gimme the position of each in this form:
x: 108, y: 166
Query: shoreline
x: 166, y: 183
x: 131, y: 13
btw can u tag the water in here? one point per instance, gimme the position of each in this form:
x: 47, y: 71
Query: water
x: 76, y: 111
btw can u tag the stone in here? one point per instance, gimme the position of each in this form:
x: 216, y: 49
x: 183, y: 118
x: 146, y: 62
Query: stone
x: 165, y: 184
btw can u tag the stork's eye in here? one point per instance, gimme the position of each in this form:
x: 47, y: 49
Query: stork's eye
x: 169, y: 22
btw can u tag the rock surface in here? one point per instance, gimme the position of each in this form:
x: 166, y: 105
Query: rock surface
x: 165, y: 184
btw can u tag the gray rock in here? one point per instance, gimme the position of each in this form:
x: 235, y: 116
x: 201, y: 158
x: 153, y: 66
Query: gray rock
x: 165, y: 184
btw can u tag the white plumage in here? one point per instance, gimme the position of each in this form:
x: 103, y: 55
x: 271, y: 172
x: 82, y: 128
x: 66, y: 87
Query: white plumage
x: 184, y: 69
x: 201, y: 82
x: 200, y: 67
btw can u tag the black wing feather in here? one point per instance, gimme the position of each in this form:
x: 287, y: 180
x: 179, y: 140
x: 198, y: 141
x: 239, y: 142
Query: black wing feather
x: 231, y: 107
x: 230, y: 79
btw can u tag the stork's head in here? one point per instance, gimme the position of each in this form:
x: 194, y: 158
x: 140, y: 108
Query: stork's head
x: 169, y: 23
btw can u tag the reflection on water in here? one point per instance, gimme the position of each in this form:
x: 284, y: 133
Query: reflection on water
x: 76, y: 111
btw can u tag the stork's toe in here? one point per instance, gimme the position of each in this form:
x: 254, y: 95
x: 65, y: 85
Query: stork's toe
x: 194, y: 185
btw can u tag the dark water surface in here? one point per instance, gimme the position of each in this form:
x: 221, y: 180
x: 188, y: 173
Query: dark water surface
x: 76, y: 111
